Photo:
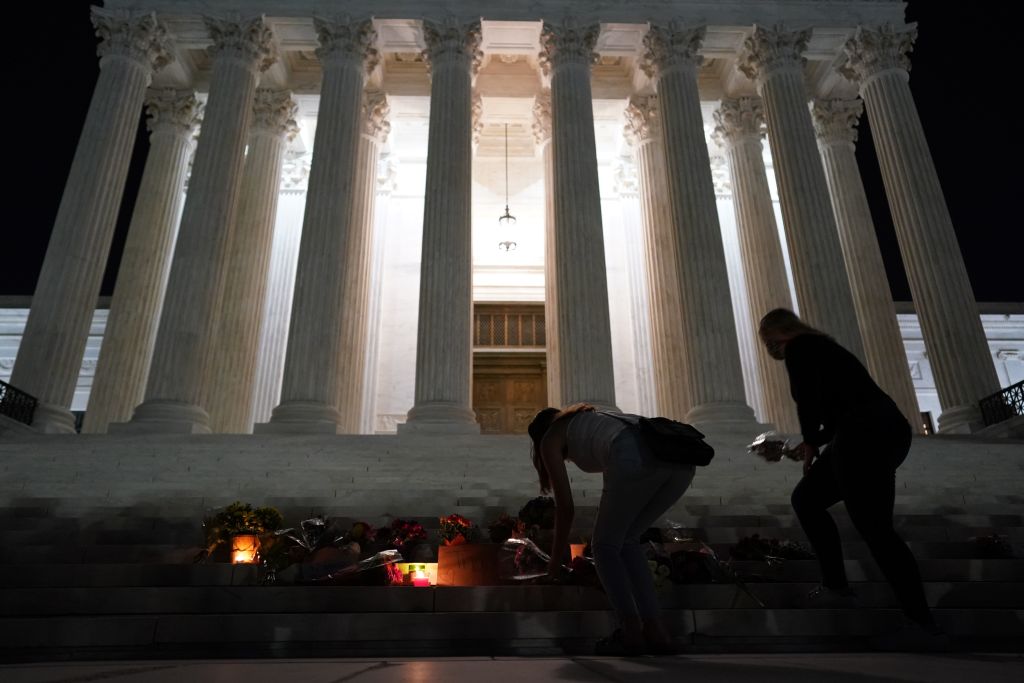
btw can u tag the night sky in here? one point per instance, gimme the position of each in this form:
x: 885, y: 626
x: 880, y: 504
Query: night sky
x: 961, y: 63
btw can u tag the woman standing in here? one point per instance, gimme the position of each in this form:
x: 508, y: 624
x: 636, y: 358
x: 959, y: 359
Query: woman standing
x: 866, y: 438
x: 638, y: 489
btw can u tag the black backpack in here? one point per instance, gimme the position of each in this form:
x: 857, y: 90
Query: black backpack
x: 671, y: 440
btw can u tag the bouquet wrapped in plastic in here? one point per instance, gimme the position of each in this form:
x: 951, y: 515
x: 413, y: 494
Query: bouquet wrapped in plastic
x: 772, y: 446
x: 522, y: 561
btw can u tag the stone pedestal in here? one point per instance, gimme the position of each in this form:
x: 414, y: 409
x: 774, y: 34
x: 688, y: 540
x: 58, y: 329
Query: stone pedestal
x: 884, y: 353
x: 953, y: 336
x: 668, y: 348
x: 714, y: 376
x: 178, y: 379
x: 583, y: 346
x: 312, y: 371
x: 50, y: 356
x: 740, y: 129
x: 120, y: 379
x: 444, y: 339
x: 773, y: 58
x: 233, y: 368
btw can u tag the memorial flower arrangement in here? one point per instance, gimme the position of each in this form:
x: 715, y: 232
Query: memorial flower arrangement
x: 403, y: 533
x: 455, y: 529
x: 770, y: 550
x: 506, y: 527
x: 237, y: 518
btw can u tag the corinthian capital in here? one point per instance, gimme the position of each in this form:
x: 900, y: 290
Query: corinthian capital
x: 175, y: 110
x: 450, y: 39
x: 343, y: 39
x: 376, y: 109
x: 643, y: 120
x: 139, y: 37
x: 670, y: 46
x: 739, y: 118
x: 568, y: 41
x: 249, y: 41
x: 835, y: 121
x: 873, y: 50
x: 274, y: 112
x: 477, y: 114
x: 542, y: 117
x: 770, y: 50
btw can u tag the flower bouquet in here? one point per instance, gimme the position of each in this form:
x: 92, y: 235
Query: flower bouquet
x: 772, y: 446
x: 237, y: 518
x: 506, y: 527
x: 455, y: 529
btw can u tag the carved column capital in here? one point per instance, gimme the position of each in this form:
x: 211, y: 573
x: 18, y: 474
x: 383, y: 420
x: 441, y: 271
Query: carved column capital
x: 450, y: 39
x: 542, y: 117
x: 274, y: 112
x: 874, y: 50
x: 174, y: 110
x: 671, y: 46
x: 138, y: 37
x: 569, y: 41
x: 643, y: 119
x: 249, y: 41
x: 342, y: 39
x: 739, y: 118
x: 376, y: 110
x: 835, y: 121
x: 767, y: 51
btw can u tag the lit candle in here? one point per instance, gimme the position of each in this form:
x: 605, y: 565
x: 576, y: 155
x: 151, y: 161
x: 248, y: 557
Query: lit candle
x: 419, y: 578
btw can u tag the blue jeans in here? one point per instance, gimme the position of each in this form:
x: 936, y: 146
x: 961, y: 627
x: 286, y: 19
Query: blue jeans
x: 638, y: 490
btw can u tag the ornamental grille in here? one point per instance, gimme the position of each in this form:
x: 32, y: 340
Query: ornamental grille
x: 505, y: 326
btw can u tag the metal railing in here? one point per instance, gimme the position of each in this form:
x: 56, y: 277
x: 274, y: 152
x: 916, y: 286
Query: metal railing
x: 16, y: 404
x: 1003, y: 405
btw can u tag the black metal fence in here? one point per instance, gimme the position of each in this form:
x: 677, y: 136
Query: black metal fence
x: 16, y: 404
x: 1003, y: 405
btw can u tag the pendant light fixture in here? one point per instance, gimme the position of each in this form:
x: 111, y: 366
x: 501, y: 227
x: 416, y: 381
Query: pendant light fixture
x: 507, y: 220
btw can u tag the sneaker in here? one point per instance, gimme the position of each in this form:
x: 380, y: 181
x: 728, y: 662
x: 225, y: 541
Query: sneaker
x: 913, y: 637
x: 823, y: 597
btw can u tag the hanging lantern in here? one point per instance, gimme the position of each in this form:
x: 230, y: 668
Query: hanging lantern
x: 507, y: 220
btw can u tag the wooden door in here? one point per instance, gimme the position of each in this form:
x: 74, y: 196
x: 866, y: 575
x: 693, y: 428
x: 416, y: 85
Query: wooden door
x: 508, y: 390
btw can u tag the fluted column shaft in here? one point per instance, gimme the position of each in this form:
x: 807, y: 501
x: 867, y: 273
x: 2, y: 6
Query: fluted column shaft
x: 584, y: 344
x: 123, y: 364
x: 233, y: 368
x: 739, y: 126
x: 773, y: 59
x: 953, y: 335
x: 884, y: 353
x: 178, y: 379
x: 312, y: 371
x: 50, y: 355
x: 444, y: 338
x: 542, y: 136
x: 714, y: 375
x: 358, y: 266
x: 668, y: 348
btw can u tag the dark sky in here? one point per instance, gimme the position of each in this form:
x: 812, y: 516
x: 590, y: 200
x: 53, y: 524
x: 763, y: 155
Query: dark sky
x: 960, y: 65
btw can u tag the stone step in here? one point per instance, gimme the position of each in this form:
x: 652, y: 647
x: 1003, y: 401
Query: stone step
x: 453, y: 633
x: 223, y: 574
x: 99, y: 601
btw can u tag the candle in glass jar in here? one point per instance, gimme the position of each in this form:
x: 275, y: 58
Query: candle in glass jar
x: 419, y: 577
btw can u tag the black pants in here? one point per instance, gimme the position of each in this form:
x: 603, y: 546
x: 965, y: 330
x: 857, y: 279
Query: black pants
x: 859, y: 468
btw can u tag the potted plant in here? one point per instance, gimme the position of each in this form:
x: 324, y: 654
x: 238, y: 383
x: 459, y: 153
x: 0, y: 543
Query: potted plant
x: 240, y: 527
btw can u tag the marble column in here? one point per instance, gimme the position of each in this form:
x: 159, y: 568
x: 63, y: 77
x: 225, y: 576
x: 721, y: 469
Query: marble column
x: 444, y: 339
x: 230, y: 399
x: 178, y: 378
x: 50, y: 355
x: 127, y: 348
x: 358, y: 265
x: 884, y: 353
x: 773, y: 59
x: 542, y: 137
x: 313, y: 362
x: 714, y: 375
x: 739, y: 125
x: 668, y: 348
x: 584, y: 343
x: 959, y: 355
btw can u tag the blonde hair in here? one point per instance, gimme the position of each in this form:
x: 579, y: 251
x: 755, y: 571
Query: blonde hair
x: 787, y: 322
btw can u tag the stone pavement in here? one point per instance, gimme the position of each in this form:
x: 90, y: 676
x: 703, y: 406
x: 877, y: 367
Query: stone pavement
x: 959, y: 668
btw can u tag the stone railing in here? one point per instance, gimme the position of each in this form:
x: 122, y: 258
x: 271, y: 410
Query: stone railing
x: 1003, y: 405
x: 16, y: 404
